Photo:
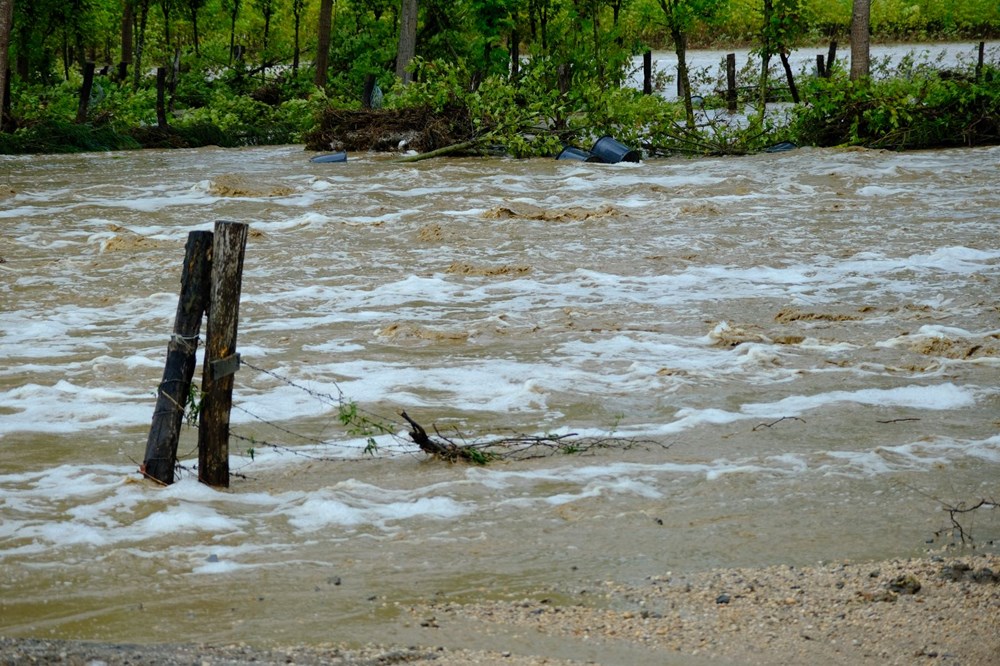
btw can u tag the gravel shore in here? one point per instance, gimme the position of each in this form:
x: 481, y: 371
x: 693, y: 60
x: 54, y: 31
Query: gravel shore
x: 922, y: 611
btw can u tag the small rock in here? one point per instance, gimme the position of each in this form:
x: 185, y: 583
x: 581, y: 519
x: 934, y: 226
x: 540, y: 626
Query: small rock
x: 905, y: 584
x: 986, y: 575
x: 723, y: 598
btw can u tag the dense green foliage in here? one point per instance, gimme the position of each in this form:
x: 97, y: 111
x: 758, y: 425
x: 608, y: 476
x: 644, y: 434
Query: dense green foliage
x: 574, y: 55
x: 920, y: 108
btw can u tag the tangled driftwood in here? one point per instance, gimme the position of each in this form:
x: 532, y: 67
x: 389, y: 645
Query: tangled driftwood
x: 421, y: 129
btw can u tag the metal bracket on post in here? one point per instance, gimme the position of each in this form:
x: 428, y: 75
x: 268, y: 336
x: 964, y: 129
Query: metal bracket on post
x: 225, y: 366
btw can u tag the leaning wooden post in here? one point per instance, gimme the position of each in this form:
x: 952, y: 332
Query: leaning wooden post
x: 221, y: 359
x: 831, y: 57
x: 981, y: 62
x: 731, y: 82
x: 161, y: 446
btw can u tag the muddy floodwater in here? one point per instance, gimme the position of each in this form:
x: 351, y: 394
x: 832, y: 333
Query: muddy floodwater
x: 804, y: 348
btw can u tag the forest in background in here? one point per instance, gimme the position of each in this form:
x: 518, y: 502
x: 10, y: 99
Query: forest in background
x: 524, y: 76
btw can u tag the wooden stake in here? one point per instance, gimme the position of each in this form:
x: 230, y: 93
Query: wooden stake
x: 731, y: 82
x: 647, y: 72
x: 161, y: 446
x: 221, y: 359
x: 831, y: 57
x: 981, y: 62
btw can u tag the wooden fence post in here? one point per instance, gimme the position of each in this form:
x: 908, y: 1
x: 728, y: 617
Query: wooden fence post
x: 831, y: 57
x: 161, y: 446
x: 221, y: 359
x: 731, y: 82
x: 980, y: 62
x: 647, y: 72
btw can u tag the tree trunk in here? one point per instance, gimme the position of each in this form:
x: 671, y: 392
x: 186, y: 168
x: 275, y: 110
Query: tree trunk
x: 407, y: 39
x: 297, y: 13
x: 140, y: 43
x: 6, y: 23
x: 85, y: 90
x: 860, y: 39
x: 234, y: 14
x: 128, y: 18
x: 683, y: 79
x: 194, y: 28
x: 323, y: 43
x: 165, y: 7
x: 766, y: 50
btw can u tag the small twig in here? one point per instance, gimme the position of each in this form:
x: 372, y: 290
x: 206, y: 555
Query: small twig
x: 899, y: 420
x: 957, y: 526
x: 783, y: 418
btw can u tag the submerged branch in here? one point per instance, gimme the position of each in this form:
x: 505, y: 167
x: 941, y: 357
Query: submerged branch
x: 446, y: 150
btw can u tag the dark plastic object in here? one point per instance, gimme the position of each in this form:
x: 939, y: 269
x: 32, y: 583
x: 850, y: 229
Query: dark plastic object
x: 612, y: 152
x: 332, y: 157
x: 574, y: 153
x: 781, y: 147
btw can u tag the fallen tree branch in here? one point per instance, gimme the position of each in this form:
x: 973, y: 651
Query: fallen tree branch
x: 446, y: 150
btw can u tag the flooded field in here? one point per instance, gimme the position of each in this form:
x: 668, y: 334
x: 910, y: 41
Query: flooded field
x: 807, y: 345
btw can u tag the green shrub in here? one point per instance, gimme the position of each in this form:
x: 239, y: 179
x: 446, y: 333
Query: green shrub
x: 929, y: 110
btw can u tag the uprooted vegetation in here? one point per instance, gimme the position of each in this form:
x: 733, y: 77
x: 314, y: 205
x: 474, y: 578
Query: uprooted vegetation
x: 416, y: 128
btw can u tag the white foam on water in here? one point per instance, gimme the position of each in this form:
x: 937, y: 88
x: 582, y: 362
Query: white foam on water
x: 634, y: 311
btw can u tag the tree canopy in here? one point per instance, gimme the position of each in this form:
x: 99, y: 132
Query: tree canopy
x: 251, y: 71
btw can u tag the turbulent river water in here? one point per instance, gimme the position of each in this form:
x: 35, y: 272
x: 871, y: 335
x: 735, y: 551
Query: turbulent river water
x: 806, y: 344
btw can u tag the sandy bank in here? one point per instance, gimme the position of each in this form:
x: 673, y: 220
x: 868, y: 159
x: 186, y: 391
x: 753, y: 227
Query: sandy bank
x: 934, y: 610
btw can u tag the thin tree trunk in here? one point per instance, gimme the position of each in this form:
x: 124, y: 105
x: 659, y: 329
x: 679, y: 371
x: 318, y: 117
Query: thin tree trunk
x: 165, y: 6
x: 323, y: 44
x: 233, y: 15
x: 6, y: 23
x: 297, y: 13
x: 860, y: 39
x: 140, y: 43
x: 194, y: 29
x: 683, y: 78
x: 407, y: 39
x: 128, y: 19
x: 767, y: 47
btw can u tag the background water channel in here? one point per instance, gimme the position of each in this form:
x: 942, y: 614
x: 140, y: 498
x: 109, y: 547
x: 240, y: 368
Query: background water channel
x: 810, y: 340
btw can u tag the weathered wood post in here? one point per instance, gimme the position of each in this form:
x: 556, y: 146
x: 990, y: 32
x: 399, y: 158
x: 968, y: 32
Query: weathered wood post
x: 515, y: 55
x: 731, y: 82
x: 88, y: 86
x: 161, y: 446
x: 820, y: 66
x: 221, y: 359
x: 831, y: 57
x: 161, y: 106
x: 981, y: 62
x: 647, y: 72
